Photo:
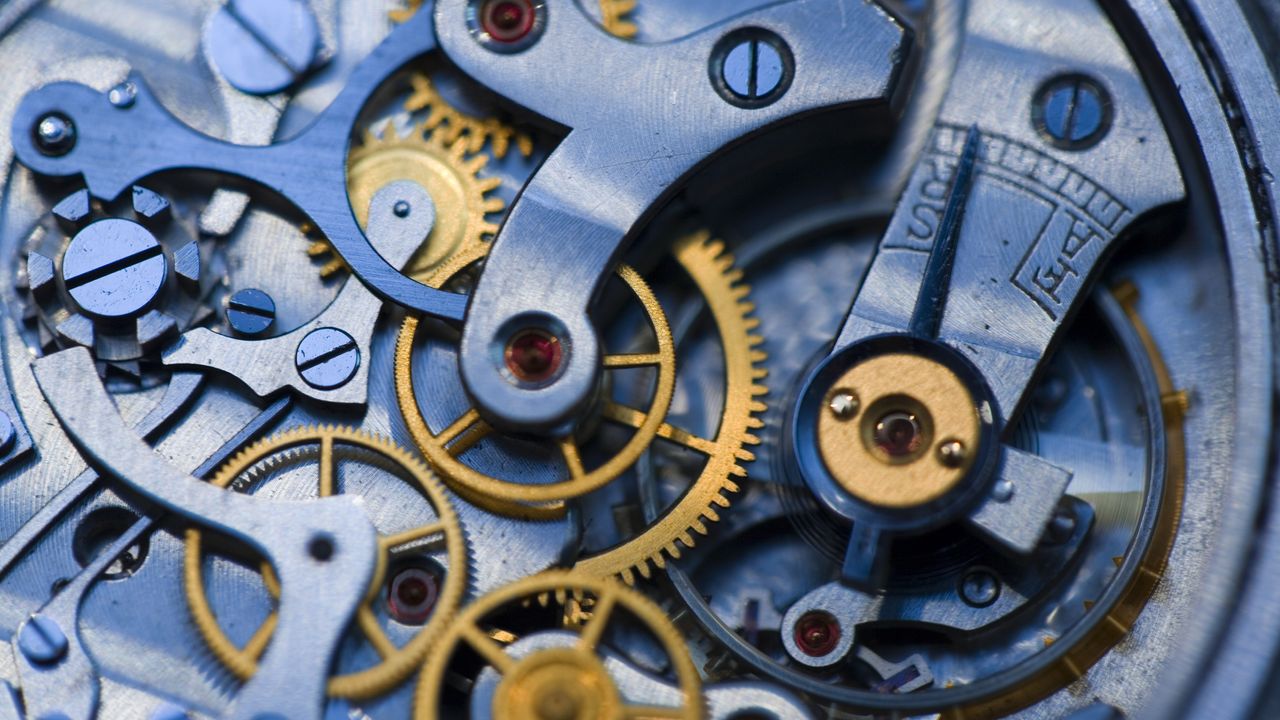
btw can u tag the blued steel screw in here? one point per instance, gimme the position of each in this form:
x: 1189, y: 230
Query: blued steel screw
x: 114, y: 268
x: 754, y: 67
x: 42, y: 640
x: 1072, y: 111
x: 979, y: 587
x: 263, y: 46
x: 250, y: 311
x: 327, y: 358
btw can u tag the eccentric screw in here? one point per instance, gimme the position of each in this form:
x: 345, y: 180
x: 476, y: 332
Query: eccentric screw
x: 327, y: 358
x: 979, y: 587
x: 952, y: 453
x: 55, y: 134
x: 42, y: 640
x: 263, y: 46
x: 1072, y: 111
x: 844, y: 404
x: 114, y: 268
x: 250, y: 312
x: 754, y: 68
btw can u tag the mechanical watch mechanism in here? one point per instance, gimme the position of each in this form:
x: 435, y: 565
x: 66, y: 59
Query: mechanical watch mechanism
x: 627, y: 359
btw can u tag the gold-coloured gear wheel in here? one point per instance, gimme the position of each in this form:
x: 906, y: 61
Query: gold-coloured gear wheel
x: 614, y: 15
x: 449, y: 174
x: 569, y: 682
x: 443, y: 449
x: 720, y: 284
x: 397, y: 663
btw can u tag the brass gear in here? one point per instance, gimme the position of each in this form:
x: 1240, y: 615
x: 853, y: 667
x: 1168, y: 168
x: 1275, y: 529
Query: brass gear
x: 445, y: 170
x: 720, y: 284
x: 444, y: 448
x: 569, y: 682
x: 614, y: 15
x: 397, y: 663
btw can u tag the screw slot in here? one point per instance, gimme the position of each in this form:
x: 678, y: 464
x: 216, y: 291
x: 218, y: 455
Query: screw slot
x: 1072, y: 112
x: 752, y: 67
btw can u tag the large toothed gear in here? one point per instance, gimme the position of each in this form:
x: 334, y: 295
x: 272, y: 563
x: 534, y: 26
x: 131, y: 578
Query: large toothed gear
x: 571, y: 674
x: 720, y: 285
x: 326, y: 447
x: 446, y: 447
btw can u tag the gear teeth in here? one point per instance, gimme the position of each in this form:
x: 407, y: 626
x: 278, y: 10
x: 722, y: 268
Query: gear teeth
x: 613, y: 16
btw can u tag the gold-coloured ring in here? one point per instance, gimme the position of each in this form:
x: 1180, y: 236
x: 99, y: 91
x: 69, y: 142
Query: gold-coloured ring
x: 571, y: 681
x: 397, y: 663
x: 924, y: 394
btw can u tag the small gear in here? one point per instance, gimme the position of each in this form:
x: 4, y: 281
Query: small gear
x: 719, y: 283
x: 122, y: 278
x: 454, y: 125
x: 262, y: 460
x: 570, y: 677
x: 445, y: 170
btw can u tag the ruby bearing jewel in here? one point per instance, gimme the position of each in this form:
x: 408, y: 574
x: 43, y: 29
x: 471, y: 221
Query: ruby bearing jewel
x: 508, y: 21
x: 533, y: 355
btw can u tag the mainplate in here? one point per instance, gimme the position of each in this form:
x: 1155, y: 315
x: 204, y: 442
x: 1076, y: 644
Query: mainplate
x: 578, y: 359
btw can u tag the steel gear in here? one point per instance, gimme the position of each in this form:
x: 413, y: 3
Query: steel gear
x: 572, y: 680
x: 254, y: 465
x: 720, y: 284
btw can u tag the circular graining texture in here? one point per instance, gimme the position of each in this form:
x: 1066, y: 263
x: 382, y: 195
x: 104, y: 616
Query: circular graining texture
x: 891, y: 450
x: 560, y: 682
x: 114, y: 268
x: 265, y: 461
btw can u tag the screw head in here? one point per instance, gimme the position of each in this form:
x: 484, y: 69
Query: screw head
x: 327, y: 358
x: 979, y: 587
x: 250, y: 311
x: 1072, y: 112
x: 952, y: 453
x: 752, y: 68
x: 42, y: 640
x: 402, y: 208
x: 844, y: 404
x: 55, y: 134
x: 264, y: 46
x: 114, y: 268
